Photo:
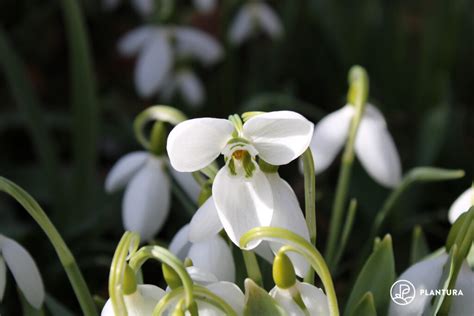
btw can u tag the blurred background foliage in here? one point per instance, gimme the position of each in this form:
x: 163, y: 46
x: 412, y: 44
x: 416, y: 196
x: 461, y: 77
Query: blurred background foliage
x: 61, y: 128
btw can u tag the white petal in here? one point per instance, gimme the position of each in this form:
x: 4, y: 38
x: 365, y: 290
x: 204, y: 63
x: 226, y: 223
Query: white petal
x: 144, y: 300
x: 124, y: 169
x: 24, y: 270
x: 198, y: 44
x: 205, y: 6
x: 242, y: 203
x: 268, y: 20
x: 146, y: 201
x: 132, y: 42
x: 194, y: 144
x: 279, y: 136
x: 143, y: 7
x: 180, y: 243
x: 288, y: 214
x: 284, y: 299
x: 314, y: 299
x: 242, y: 26
x: 205, y: 222
x: 464, y: 305
x: 3, y: 276
x: 214, y: 255
x: 187, y: 183
x: 200, y: 276
x: 153, y: 64
x: 191, y: 88
x: 230, y: 293
x: 329, y: 137
x: 376, y: 149
x: 461, y: 205
x: 108, y: 309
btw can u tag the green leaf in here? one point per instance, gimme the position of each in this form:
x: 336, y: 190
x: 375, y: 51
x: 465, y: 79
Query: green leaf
x: 55, y: 307
x: 419, y: 247
x: 366, y: 306
x: 376, y: 276
x: 259, y: 302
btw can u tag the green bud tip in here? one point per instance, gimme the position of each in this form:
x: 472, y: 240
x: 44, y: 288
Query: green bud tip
x: 171, y: 277
x: 129, y: 281
x: 188, y: 262
x: 283, y: 271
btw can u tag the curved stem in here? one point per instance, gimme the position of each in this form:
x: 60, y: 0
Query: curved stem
x: 301, y: 246
x: 65, y: 256
x: 163, y: 255
x: 310, y: 202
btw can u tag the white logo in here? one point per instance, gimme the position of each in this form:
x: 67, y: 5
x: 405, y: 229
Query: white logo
x: 402, y: 292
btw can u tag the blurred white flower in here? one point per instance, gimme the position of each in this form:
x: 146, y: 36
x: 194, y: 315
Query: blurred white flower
x: 24, y: 270
x: 143, y: 7
x: 146, y: 202
x: 140, y: 303
x: 211, y: 255
x: 461, y: 205
x: 243, y: 197
x: 185, y: 83
x: 205, y: 6
x: 314, y: 300
x: 374, y: 145
x: 253, y: 17
x: 426, y: 275
x: 158, y: 48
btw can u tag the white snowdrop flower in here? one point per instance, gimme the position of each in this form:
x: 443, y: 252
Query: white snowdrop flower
x: 205, y: 6
x: 158, y: 47
x: 146, y: 202
x: 374, y: 145
x: 143, y: 7
x: 254, y: 16
x: 185, y: 83
x: 461, y: 205
x: 24, y: 271
x: 425, y: 276
x: 243, y: 196
x: 212, y: 255
x: 314, y: 300
x: 140, y: 303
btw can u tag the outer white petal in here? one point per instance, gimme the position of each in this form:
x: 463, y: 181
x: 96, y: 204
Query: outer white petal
x: 153, y: 64
x: 288, y: 214
x: 132, y: 42
x: 3, y: 276
x: 24, y: 270
x: 376, y: 149
x: 279, y: 136
x: 461, y: 205
x: 187, y: 182
x: 329, y: 137
x: 205, y: 6
x: 143, y: 7
x: 124, y: 169
x: 197, y: 44
x: 205, y: 222
x: 140, y: 303
x: 191, y: 88
x: 180, y: 243
x: 242, y: 203
x: 426, y: 275
x: 231, y: 294
x: 268, y: 20
x: 314, y: 299
x: 147, y: 198
x: 200, y: 276
x: 214, y: 255
x: 242, y: 26
x: 283, y: 297
x: 194, y: 144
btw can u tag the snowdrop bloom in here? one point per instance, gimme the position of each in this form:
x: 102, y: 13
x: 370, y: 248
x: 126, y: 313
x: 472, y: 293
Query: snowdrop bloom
x: 146, y: 202
x: 158, y: 47
x: 252, y: 17
x: 425, y: 275
x: 374, y: 145
x: 205, y: 6
x: 212, y: 255
x: 314, y: 299
x: 243, y: 196
x: 140, y: 303
x: 24, y: 270
x: 143, y: 7
x: 185, y: 83
x: 461, y: 205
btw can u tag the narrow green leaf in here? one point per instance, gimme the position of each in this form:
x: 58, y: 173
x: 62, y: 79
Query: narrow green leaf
x: 259, y: 302
x: 366, y: 306
x: 419, y: 247
x: 55, y: 307
x: 376, y: 277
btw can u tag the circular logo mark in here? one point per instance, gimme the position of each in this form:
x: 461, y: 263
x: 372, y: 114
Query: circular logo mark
x: 402, y: 292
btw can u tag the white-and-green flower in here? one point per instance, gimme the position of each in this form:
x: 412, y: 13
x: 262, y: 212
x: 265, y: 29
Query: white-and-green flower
x: 461, y: 205
x: 24, y: 271
x: 374, y: 146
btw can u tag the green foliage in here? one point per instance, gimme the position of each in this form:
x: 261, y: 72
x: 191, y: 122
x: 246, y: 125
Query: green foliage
x: 366, y: 306
x: 419, y: 247
x: 259, y: 302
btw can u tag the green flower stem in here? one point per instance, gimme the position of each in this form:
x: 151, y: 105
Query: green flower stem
x: 357, y: 96
x: 301, y: 246
x: 346, y: 231
x: 252, y: 267
x: 160, y: 113
x: 310, y: 202
x: 201, y: 293
x: 163, y: 255
x: 65, y: 256
x: 210, y: 171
